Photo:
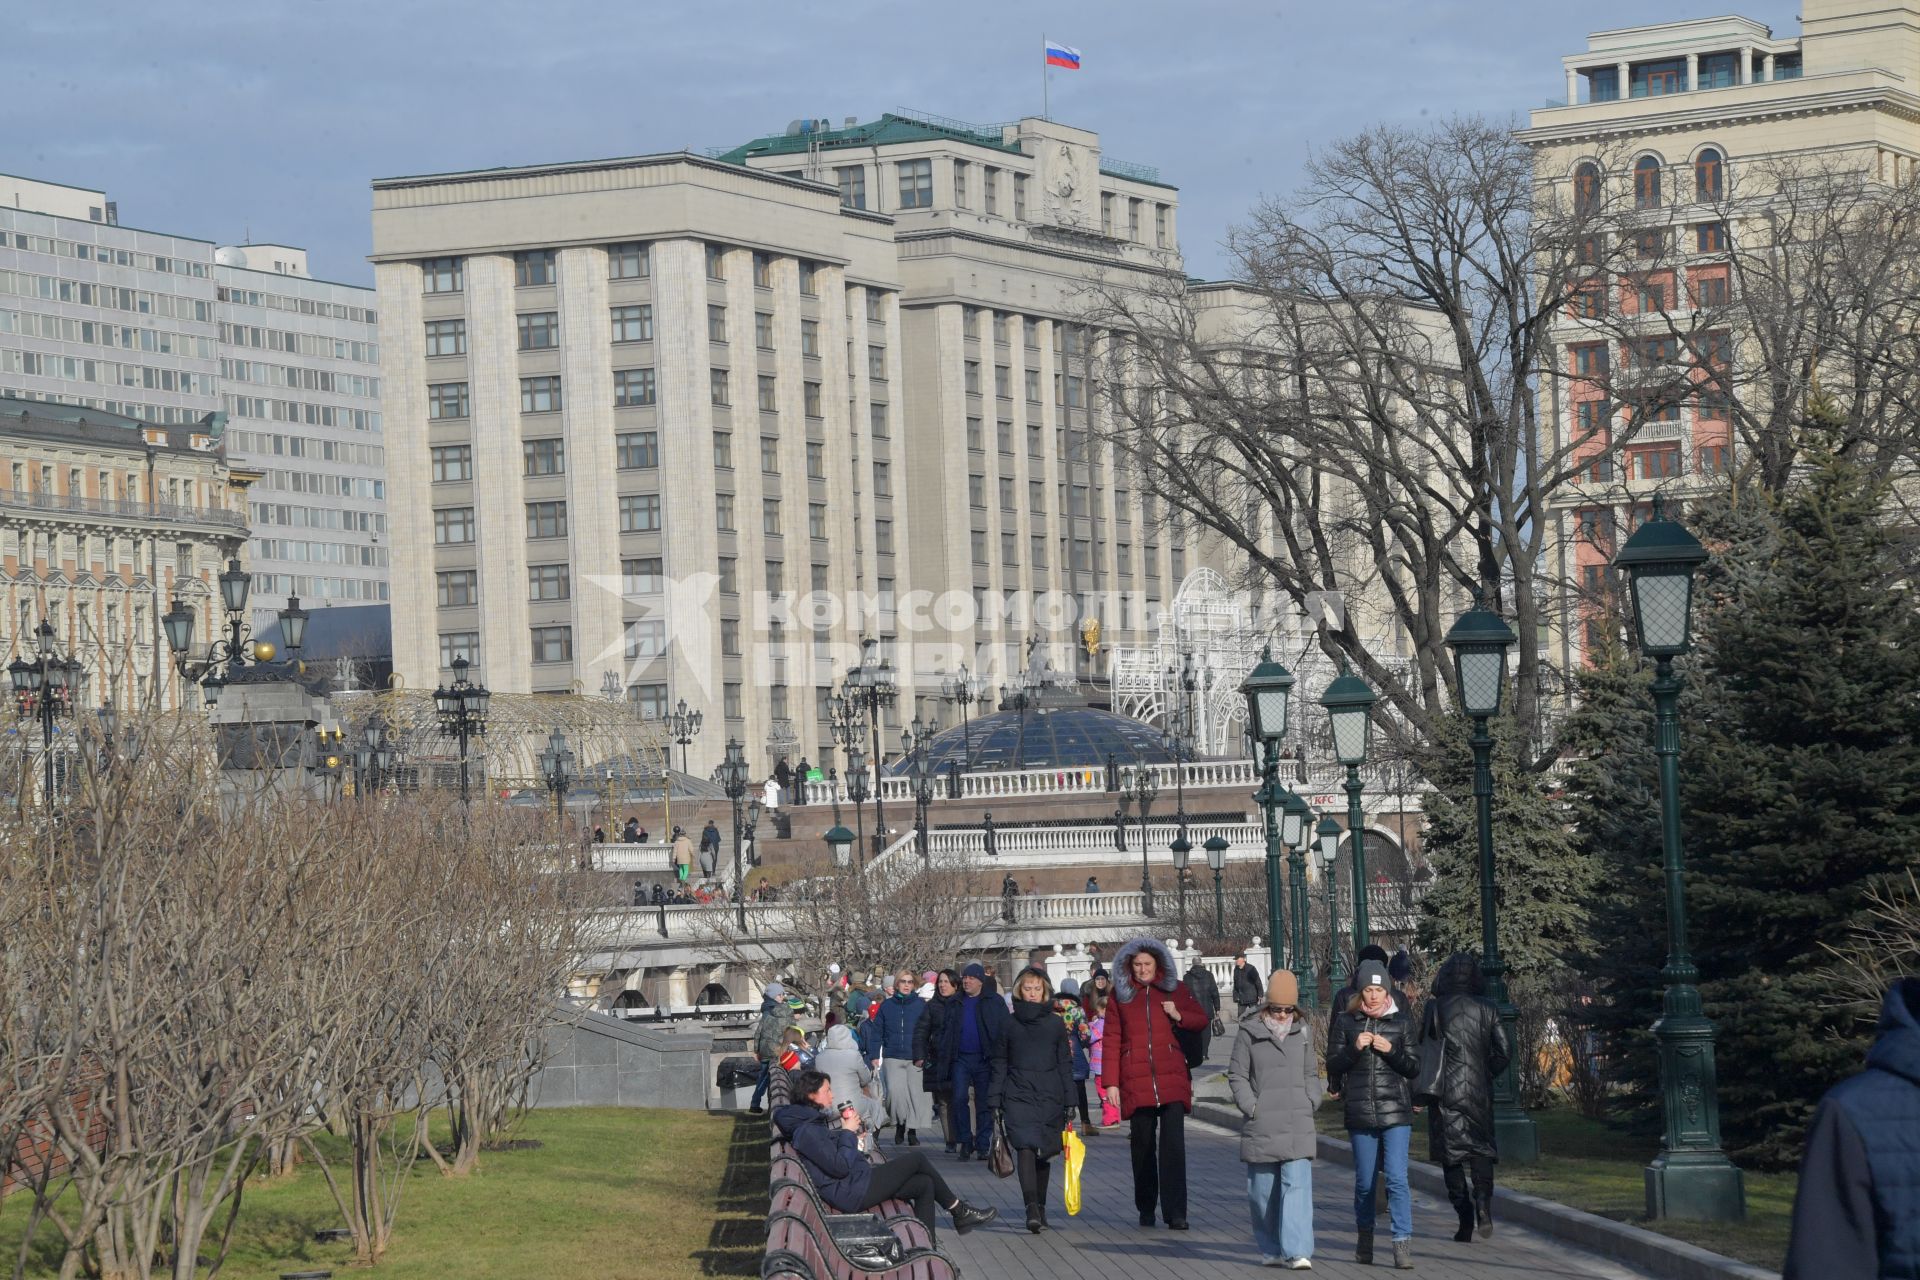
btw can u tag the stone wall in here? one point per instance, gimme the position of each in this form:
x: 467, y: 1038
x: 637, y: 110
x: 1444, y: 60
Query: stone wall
x: 593, y: 1060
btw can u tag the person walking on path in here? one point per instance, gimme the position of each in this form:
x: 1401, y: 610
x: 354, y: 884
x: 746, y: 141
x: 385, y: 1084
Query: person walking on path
x: 1079, y: 1038
x: 1248, y: 992
x: 1032, y: 1091
x: 1206, y: 993
x: 968, y: 1039
x: 682, y: 855
x: 936, y: 1070
x: 766, y: 1041
x: 1276, y: 1084
x: 899, y: 1019
x: 1370, y: 1060
x: 1146, y: 1074
x: 1857, y: 1212
x: 840, y: 1057
x: 827, y: 1140
x: 709, y: 848
x: 1460, y: 1134
x: 1344, y: 996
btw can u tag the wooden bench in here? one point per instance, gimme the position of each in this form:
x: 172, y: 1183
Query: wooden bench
x: 800, y: 1246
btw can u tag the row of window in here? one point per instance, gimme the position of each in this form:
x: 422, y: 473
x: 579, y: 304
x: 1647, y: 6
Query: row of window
x: 640, y: 513
x: 303, y: 306
x: 99, y: 333
x: 916, y: 191
x: 27, y: 284
x: 86, y: 251
x: 1078, y: 554
x: 631, y: 260
x: 1709, y: 181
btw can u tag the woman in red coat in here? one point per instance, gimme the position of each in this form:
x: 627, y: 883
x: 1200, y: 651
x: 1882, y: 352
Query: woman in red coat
x: 1144, y: 1073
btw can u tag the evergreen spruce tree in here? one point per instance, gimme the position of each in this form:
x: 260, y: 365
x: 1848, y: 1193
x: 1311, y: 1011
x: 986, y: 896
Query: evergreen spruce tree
x: 1542, y: 879
x: 1801, y: 780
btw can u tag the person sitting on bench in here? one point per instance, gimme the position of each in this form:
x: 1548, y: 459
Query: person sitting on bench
x: 827, y: 1140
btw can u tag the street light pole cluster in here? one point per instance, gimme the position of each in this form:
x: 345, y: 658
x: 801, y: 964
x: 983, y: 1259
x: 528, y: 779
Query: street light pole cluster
x: 683, y: 726
x: 869, y: 687
x: 462, y: 709
x: 733, y: 780
x: 556, y: 769
x: 914, y: 742
x: 228, y: 654
x: 44, y: 690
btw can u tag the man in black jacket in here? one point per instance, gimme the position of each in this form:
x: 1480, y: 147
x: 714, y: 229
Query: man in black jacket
x: 1249, y: 991
x: 1205, y: 990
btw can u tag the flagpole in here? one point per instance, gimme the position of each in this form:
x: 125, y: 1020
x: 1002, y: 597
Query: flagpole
x: 1046, y: 103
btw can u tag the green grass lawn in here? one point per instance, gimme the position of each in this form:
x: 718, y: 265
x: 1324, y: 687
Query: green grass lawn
x: 1592, y: 1166
x: 615, y: 1194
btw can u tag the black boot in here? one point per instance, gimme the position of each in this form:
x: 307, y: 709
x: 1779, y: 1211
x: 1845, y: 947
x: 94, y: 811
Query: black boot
x: 966, y: 1217
x: 913, y: 1138
x: 1483, y: 1197
x: 1363, y: 1245
x: 1035, y: 1223
x: 899, y: 1134
x: 1461, y: 1199
x: 1045, y: 1175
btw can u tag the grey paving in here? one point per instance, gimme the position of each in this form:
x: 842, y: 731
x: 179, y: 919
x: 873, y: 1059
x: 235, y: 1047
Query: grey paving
x: 1106, y: 1241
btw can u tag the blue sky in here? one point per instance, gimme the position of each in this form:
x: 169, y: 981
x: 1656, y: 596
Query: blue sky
x: 271, y: 117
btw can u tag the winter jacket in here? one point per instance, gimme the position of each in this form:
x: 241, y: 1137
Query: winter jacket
x: 897, y: 1021
x: 1857, y: 1212
x: 710, y: 838
x: 1376, y: 1087
x: 830, y: 1154
x: 1460, y: 1124
x: 1033, y: 1078
x: 682, y: 851
x: 767, y: 1032
x: 991, y: 1015
x: 1248, y: 989
x: 1205, y: 989
x: 1077, y: 1036
x: 1097, y: 1029
x: 928, y: 1036
x: 1276, y: 1084
x: 1139, y: 1053
x: 842, y: 1062
x: 867, y: 1035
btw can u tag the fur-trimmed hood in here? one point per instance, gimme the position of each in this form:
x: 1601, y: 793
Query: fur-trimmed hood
x: 1122, y: 968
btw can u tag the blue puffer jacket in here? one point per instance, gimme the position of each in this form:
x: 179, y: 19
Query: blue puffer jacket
x: 898, y: 1017
x: 831, y: 1155
x: 1857, y: 1212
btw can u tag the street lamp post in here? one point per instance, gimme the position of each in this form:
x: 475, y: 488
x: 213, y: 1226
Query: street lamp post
x: 43, y: 690
x: 964, y: 688
x: 1182, y: 858
x: 1143, y: 786
x: 840, y: 845
x: 556, y: 767
x: 870, y: 686
x: 920, y: 774
x: 683, y: 726
x: 1691, y: 1177
x: 1216, y: 847
x: 733, y: 780
x: 228, y: 654
x: 1480, y: 640
x: 1267, y: 689
x: 1296, y: 826
x: 462, y: 708
x: 1329, y: 839
x: 857, y: 790
x: 1349, y: 703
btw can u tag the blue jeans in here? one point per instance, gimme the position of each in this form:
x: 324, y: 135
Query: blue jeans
x: 1282, y: 1215
x: 972, y: 1071
x: 760, y: 1085
x: 1372, y: 1148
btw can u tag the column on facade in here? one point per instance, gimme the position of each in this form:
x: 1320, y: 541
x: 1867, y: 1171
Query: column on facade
x: 1746, y: 64
x: 1693, y: 72
x: 1573, y: 86
x: 1622, y: 70
x: 1766, y: 70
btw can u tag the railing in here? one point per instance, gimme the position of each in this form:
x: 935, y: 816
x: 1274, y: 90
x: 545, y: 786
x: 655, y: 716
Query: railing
x: 170, y: 512
x: 1093, y: 845
x: 1128, y: 169
x: 652, y: 856
x: 1052, y: 782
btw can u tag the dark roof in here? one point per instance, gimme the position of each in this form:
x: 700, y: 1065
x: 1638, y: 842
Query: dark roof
x: 1065, y: 737
x: 45, y: 420
x: 342, y: 631
x: 888, y: 128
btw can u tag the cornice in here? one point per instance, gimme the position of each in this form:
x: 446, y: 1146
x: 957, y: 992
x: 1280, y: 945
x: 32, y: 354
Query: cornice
x: 1896, y: 102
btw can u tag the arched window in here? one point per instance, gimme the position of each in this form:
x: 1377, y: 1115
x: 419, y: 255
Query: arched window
x: 1646, y: 183
x: 1586, y: 188
x: 1709, y: 175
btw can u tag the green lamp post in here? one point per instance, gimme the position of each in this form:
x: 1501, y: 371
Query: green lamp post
x: 1480, y: 640
x: 1216, y: 847
x: 1296, y: 826
x: 1329, y: 838
x: 1691, y: 1177
x: 840, y: 845
x: 1349, y: 703
x: 1267, y: 688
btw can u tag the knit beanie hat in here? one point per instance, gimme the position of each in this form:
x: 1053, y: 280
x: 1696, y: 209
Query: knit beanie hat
x: 1370, y: 974
x: 1400, y: 968
x: 775, y: 991
x: 1070, y: 987
x: 974, y: 970
x: 1283, y: 988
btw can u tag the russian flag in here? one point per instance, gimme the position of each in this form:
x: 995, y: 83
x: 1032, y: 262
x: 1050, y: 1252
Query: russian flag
x: 1060, y: 55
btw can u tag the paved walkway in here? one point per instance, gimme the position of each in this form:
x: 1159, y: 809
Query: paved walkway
x: 1106, y: 1242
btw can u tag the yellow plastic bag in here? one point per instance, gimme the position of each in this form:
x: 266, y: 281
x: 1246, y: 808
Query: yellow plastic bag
x: 1076, y: 1151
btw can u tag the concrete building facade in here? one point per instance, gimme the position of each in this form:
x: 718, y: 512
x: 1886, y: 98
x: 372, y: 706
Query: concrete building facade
x: 1675, y: 123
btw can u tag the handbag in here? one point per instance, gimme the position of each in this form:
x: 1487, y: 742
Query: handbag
x: 1000, y: 1155
x: 1219, y: 1027
x: 1076, y: 1153
x: 1433, y: 1056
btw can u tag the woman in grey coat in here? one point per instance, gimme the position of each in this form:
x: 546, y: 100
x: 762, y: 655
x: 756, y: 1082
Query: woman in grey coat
x: 841, y: 1061
x: 1276, y: 1084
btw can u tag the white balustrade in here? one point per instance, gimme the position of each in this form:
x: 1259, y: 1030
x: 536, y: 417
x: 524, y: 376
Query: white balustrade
x: 654, y: 856
x: 1325, y: 779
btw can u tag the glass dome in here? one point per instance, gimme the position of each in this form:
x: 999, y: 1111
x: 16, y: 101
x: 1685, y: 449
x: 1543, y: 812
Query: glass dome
x: 1059, y: 737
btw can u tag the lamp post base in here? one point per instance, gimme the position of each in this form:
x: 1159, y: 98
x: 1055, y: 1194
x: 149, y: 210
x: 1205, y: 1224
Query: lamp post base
x: 1516, y: 1136
x: 1704, y: 1186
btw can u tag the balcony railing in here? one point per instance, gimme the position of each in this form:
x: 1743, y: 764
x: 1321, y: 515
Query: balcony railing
x: 123, y: 508
x: 1083, y: 780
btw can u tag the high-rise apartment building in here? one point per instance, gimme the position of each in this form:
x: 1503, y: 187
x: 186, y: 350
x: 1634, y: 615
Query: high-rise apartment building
x: 839, y: 366
x: 169, y: 330
x: 1684, y: 127
x: 637, y: 409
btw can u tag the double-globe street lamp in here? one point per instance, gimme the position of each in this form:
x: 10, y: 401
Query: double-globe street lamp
x: 1691, y: 1177
x: 1480, y: 640
x: 1349, y: 702
x: 733, y: 780
x: 462, y: 709
x: 44, y: 690
x: 1267, y: 689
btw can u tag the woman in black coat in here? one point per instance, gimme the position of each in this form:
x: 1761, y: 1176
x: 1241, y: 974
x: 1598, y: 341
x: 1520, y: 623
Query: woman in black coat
x: 937, y: 1072
x: 1371, y: 1061
x: 1032, y: 1090
x: 1460, y: 1121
